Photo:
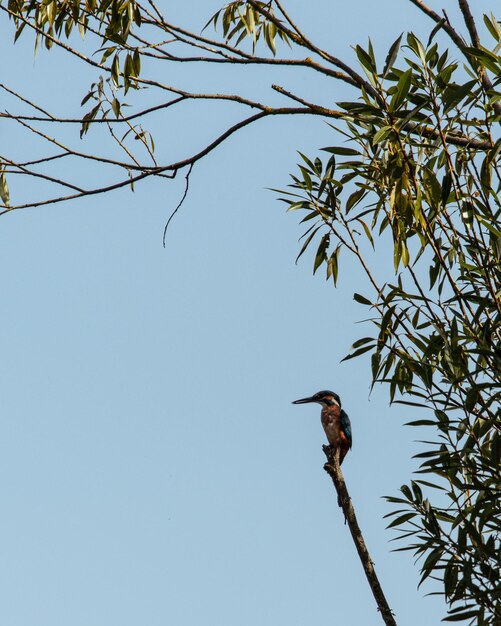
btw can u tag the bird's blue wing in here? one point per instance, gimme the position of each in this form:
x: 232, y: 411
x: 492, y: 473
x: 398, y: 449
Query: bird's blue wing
x: 346, y: 426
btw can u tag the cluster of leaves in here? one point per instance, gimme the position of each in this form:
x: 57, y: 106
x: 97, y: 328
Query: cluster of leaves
x: 438, y: 324
x: 105, y: 102
x: 113, y: 19
x: 111, y: 22
x: 240, y: 20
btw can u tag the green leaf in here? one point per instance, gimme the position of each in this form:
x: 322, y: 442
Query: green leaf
x: 365, y: 60
x: 436, y: 29
x: 341, y: 150
x: 333, y: 265
x: 472, y: 398
x: 397, y: 255
x: 382, y: 134
x: 420, y: 423
x: 115, y: 105
x: 454, y: 94
x: 136, y: 63
x: 107, y: 53
x: 87, y: 97
x: 321, y: 255
x: 307, y: 161
x: 415, y: 45
x: 406, y: 491
x: 401, y: 519
x: 115, y: 70
x: 486, y: 59
x: 362, y: 342
x: 462, y: 616
x: 446, y: 188
x: 405, y: 254
x: 4, y: 189
x: 357, y: 353
x: 269, y: 35
x: 354, y: 198
x: 493, y: 27
x: 306, y: 178
x: 402, y: 91
x: 431, y: 561
x: 361, y: 299
x: 367, y: 231
x: 392, y: 55
x: 87, y: 118
x: 307, y: 243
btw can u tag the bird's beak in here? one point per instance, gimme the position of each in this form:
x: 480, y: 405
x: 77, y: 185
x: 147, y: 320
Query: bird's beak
x: 304, y: 401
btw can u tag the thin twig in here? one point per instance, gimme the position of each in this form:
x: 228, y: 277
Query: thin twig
x: 186, y: 188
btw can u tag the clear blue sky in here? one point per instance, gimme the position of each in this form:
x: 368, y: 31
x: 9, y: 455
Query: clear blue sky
x: 152, y: 468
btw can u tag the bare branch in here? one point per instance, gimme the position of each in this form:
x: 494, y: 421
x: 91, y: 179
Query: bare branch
x: 180, y: 204
x: 320, y: 110
x: 333, y: 468
x: 49, y: 117
x: 173, y: 167
x: 19, y: 169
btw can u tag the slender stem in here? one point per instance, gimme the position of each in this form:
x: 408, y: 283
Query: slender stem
x: 333, y: 468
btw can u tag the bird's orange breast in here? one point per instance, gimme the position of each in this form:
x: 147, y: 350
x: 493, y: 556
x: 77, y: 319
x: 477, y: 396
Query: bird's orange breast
x: 332, y: 426
x: 331, y: 421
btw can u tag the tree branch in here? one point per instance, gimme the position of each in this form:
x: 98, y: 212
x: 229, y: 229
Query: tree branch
x: 353, y: 78
x: 172, y: 167
x: 333, y: 468
x: 470, y: 22
x: 446, y: 26
x: 459, y: 41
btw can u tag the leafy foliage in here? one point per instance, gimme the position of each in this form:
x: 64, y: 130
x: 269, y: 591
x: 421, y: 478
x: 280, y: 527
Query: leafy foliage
x: 437, y: 325
x: 240, y: 20
x: 113, y: 19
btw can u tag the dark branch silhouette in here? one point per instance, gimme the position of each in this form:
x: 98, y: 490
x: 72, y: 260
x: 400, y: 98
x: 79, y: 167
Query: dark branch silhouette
x: 333, y: 468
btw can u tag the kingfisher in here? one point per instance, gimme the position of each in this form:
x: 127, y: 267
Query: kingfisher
x: 335, y: 421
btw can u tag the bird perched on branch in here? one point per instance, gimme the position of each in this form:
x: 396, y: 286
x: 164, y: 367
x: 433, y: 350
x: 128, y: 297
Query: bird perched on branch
x: 335, y: 421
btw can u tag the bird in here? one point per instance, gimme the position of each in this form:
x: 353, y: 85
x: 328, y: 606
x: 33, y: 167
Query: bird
x: 336, y: 423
